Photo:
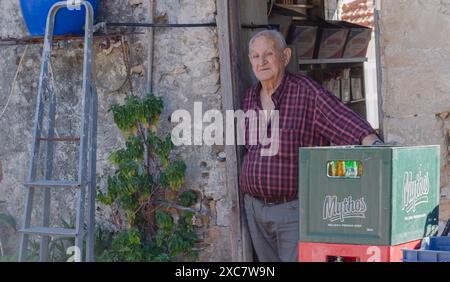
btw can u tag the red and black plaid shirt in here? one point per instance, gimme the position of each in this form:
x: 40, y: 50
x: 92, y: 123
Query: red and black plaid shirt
x: 309, y: 116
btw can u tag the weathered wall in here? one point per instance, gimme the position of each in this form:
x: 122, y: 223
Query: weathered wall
x: 186, y: 70
x: 416, y: 74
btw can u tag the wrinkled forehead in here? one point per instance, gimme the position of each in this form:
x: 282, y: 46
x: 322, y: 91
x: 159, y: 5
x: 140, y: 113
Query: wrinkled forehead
x: 264, y: 42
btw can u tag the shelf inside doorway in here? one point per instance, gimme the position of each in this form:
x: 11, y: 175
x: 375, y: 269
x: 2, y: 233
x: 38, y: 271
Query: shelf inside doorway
x: 295, y: 7
x: 296, y: 11
x: 356, y: 101
x: 331, y: 61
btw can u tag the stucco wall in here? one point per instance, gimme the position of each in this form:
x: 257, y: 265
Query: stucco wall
x: 416, y: 75
x: 186, y: 70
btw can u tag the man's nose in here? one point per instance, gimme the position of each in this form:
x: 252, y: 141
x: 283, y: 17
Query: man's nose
x: 262, y: 60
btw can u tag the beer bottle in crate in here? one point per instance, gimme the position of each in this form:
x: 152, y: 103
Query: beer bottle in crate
x: 340, y: 168
x: 351, y: 169
x: 331, y: 169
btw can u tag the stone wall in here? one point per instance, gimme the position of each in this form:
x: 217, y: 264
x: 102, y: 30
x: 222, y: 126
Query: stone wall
x: 186, y: 70
x: 416, y: 75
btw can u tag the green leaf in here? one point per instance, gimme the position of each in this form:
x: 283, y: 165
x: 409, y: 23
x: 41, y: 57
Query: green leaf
x: 9, y: 220
x: 173, y: 176
x: 136, y: 110
x: 187, y: 217
x: 176, y: 244
x: 153, y: 107
x: 106, y: 200
x: 162, y: 257
x: 67, y: 224
x: 160, y: 148
x: 133, y: 151
x: 164, y: 220
x: 188, y: 198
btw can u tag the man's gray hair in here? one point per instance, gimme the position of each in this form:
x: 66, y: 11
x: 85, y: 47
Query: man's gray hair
x: 273, y: 34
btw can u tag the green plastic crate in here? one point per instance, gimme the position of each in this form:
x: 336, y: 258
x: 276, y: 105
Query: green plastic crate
x: 395, y: 199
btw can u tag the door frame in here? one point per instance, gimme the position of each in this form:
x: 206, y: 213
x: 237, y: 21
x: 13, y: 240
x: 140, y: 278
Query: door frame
x: 228, y: 29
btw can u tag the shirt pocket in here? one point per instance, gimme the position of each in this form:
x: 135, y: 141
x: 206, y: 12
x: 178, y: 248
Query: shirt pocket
x: 289, y: 143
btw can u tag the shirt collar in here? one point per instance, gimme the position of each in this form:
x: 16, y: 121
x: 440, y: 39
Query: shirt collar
x: 278, y: 94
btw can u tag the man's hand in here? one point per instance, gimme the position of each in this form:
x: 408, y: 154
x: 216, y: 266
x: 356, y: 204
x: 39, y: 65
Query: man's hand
x: 374, y: 140
x: 370, y: 140
x: 391, y: 143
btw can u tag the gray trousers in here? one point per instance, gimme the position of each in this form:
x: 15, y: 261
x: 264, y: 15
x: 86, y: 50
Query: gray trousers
x: 274, y: 229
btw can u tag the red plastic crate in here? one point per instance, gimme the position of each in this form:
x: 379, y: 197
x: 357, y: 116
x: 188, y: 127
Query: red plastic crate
x: 318, y: 252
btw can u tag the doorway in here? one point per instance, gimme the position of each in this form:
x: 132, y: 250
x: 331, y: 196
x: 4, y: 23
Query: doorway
x: 355, y: 80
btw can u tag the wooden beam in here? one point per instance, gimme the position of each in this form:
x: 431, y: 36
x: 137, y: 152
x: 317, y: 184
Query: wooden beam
x: 250, y: 12
x: 228, y: 29
x: 379, y: 72
x: 320, y: 10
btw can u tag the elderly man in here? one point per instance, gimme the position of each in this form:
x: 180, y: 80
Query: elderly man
x: 308, y: 116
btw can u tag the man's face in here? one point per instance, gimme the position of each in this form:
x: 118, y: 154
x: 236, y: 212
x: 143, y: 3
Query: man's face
x: 268, y: 63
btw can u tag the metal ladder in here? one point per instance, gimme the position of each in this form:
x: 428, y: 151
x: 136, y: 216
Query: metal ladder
x: 87, y: 151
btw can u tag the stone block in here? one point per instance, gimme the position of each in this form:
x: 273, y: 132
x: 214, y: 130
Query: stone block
x: 1, y: 171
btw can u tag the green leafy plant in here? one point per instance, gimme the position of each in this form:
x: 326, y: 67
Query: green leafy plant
x: 57, y: 247
x: 9, y: 221
x: 147, y: 189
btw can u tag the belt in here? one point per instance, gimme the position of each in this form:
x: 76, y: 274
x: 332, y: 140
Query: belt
x: 271, y: 201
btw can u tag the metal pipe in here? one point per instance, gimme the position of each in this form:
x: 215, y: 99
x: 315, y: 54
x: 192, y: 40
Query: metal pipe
x: 379, y: 67
x: 150, y: 58
x: 153, y: 25
x: 102, y: 25
x: 261, y: 26
x: 151, y: 46
x: 39, y: 40
x: 118, y: 24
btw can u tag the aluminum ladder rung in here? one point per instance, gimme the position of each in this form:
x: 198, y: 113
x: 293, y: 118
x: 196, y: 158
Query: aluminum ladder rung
x: 60, y: 139
x: 53, y: 183
x: 49, y: 231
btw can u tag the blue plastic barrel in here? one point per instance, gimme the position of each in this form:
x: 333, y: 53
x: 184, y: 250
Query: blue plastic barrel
x: 67, y: 21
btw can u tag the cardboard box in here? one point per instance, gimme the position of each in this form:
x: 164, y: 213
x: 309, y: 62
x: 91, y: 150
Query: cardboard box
x: 358, y: 40
x: 332, y: 83
x: 335, y: 86
x: 356, y: 77
x: 284, y: 22
x: 332, y: 39
x: 285, y: 2
x: 345, y: 86
x: 303, y: 35
x: 326, y: 84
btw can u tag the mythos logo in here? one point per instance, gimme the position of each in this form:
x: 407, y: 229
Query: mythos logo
x: 333, y: 210
x: 415, y: 190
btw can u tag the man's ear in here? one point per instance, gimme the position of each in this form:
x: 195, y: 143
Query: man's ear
x: 287, y: 55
